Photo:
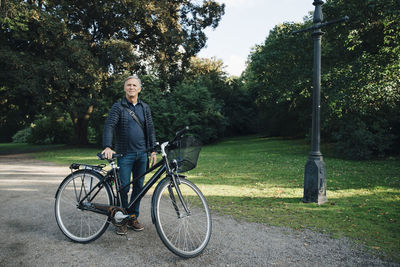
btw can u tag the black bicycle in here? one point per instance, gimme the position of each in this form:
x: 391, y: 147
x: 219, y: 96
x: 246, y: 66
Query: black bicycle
x: 89, y: 199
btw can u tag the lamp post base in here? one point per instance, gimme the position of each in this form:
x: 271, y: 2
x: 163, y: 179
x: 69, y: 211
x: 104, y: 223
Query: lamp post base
x: 315, y: 181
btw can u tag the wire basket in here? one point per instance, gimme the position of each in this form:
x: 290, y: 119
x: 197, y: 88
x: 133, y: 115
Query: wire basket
x: 186, y: 152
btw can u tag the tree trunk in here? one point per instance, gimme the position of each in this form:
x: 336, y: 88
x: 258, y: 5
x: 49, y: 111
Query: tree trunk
x: 81, y: 124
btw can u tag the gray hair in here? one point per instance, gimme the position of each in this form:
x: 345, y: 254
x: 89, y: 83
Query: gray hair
x: 134, y: 76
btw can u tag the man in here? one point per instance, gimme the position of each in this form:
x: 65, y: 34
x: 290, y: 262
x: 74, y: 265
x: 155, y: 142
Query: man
x: 132, y: 123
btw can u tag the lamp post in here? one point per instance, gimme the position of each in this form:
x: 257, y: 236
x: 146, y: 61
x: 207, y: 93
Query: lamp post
x: 315, y: 170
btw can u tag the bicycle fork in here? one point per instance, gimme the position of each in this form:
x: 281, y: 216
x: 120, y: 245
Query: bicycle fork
x: 175, y: 184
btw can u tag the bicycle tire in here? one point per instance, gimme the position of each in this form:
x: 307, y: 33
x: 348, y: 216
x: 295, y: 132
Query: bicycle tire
x: 81, y: 226
x: 188, y: 235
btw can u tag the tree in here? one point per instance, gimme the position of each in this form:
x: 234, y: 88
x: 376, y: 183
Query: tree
x: 363, y: 82
x: 360, y: 78
x: 21, y: 87
x: 83, y: 46
x: 189, y: 102
x: 278, y: 77
x: 232, y: 96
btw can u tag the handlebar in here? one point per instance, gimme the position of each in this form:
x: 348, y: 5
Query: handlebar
x: 114, y: 156
x: 179, y: 134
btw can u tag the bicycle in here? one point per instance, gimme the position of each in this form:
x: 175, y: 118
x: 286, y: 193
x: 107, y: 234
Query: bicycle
x: 88, y: 199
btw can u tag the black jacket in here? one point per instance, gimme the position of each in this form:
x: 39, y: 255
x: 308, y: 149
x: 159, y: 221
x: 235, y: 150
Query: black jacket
x: 117, y: 121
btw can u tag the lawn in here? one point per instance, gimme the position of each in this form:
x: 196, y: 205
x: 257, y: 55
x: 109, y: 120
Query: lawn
x: 261, y: 180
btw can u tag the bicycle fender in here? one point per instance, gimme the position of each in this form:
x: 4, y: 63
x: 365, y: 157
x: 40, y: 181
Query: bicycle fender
x: 94, y: 173
x: 153, y: 198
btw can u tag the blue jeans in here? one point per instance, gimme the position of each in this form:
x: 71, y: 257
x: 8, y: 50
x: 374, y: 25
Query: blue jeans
x: 134, y: 163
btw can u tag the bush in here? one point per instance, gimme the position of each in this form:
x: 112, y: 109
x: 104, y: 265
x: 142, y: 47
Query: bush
x: 47, y: 130
x: 187, y: 104
x: 22, y: 136
x: 357, y: 139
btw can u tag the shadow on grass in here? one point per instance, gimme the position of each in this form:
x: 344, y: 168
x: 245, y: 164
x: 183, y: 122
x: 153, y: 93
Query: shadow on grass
x: 256, y: 144
x: 15, y: 148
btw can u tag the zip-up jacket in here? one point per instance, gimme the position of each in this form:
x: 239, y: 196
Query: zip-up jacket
x: 117, y: 121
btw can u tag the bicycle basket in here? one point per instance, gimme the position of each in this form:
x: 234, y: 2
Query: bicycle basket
x: 185, y: 152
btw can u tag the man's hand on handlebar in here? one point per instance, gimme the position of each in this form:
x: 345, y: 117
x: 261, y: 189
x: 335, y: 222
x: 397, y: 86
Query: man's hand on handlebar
x: 108, y: 153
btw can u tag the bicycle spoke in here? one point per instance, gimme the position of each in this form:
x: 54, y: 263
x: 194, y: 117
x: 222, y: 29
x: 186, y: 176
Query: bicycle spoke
x: 88, y: 224
x: 174, y: 230
x: 170, y: 214
x: 69, y: 203
x: 178, y: 236
x: 185, y: 233
x: 76, y: 196
x: 88, y: 187
x: 82, y: 186
x: 72, y: 217
x: 80, y: 228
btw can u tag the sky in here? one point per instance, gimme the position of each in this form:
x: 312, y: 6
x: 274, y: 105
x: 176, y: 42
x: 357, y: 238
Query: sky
x: 247, y: 23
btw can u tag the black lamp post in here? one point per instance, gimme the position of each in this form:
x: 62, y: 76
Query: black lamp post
x: 315, y: 171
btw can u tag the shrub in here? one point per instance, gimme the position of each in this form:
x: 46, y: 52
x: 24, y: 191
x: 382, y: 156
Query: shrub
x: 22, y: 136
x: 358, y: 139
x: 188, y: 103
x: 47, y: 130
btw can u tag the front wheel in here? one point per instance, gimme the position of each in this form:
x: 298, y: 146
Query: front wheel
x: 185, y: 233
x: 81, y: 225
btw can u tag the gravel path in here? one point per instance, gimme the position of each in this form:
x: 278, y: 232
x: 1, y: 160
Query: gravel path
x: 30, y: 236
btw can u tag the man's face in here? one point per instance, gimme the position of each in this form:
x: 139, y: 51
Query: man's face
x: 132, y: 88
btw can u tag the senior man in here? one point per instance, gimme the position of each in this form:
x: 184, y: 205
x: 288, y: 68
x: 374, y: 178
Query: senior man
x: 131, y: 121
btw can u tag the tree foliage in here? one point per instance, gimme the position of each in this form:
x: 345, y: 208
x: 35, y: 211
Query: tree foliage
x: 360, y: 78
x: 207, y: 100
x: 68, y: 59
x: 67, y: 54
x: 364, y: 81
x: 279, y: 78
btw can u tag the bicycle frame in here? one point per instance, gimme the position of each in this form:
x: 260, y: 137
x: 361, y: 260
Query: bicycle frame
x: 162, y: 169
x: 104, y: 208
x: 162, y: 165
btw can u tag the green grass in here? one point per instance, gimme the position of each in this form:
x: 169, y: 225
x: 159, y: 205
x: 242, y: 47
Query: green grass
x: 261, y: 180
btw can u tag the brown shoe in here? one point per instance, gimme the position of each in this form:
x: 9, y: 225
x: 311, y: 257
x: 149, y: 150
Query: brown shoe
x: 135, y: 224
x: 122, y: 230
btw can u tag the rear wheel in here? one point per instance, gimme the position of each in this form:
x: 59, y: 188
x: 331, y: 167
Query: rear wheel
x: 184, y: 233
x: 77, y: 224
